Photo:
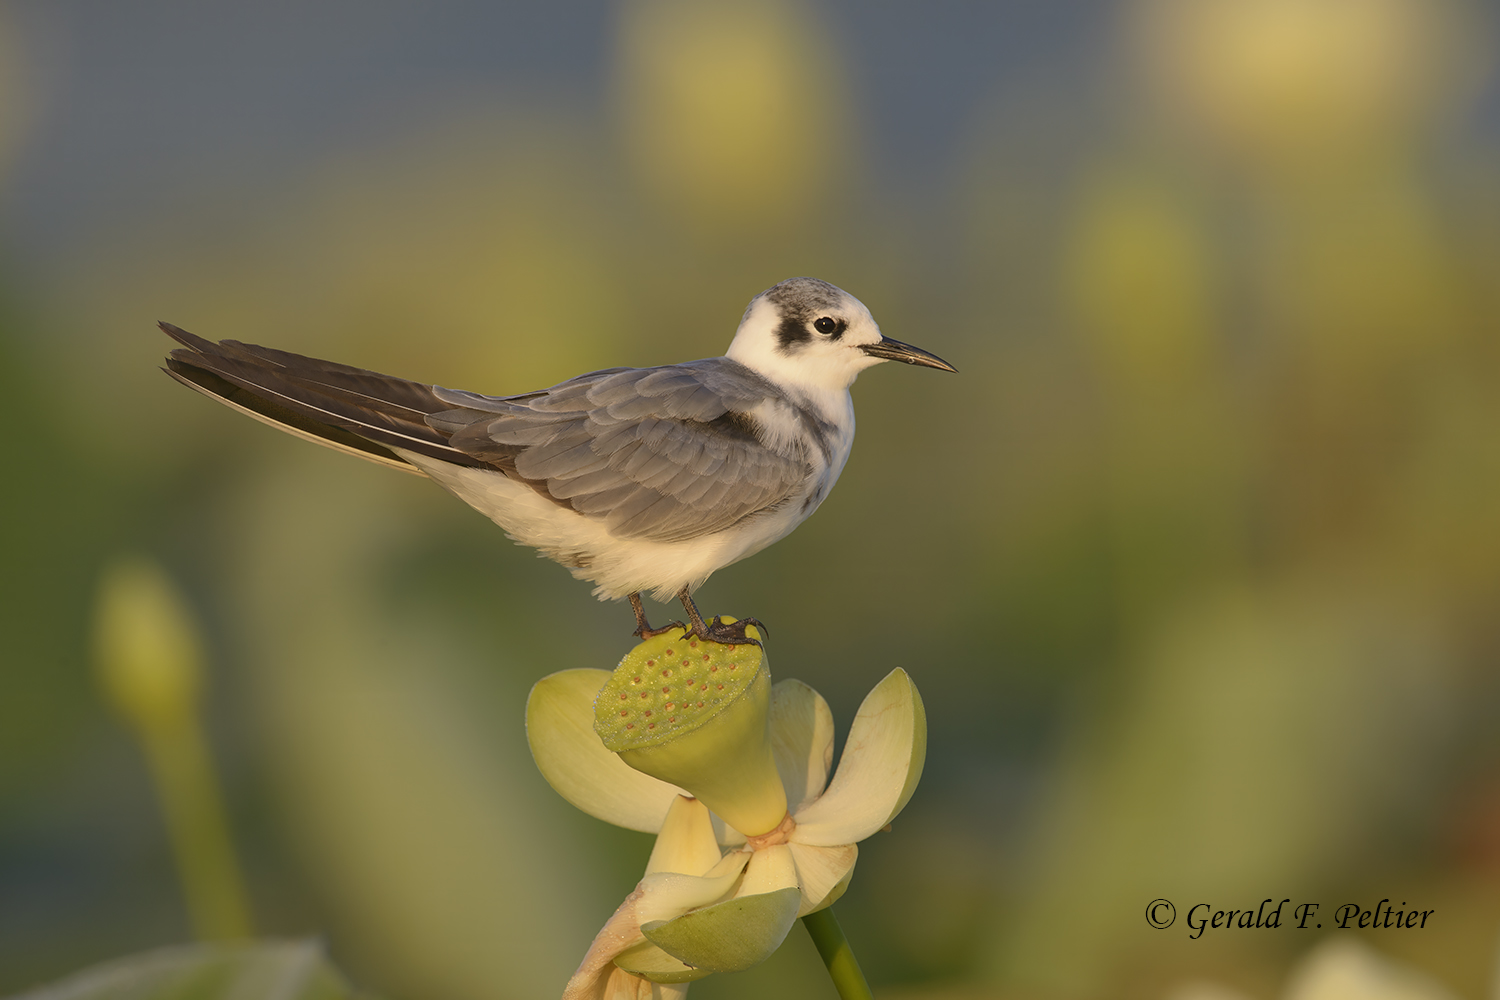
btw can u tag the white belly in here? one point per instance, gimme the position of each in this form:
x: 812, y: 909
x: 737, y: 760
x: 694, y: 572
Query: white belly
x: 618, y: 566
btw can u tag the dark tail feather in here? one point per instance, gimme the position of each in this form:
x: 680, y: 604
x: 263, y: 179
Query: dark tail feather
x: 350, y: 409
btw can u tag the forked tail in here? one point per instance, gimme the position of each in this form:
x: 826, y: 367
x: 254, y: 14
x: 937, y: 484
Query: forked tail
x: 349, y: 409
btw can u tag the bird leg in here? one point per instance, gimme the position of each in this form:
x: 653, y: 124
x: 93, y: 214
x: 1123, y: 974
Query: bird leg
x: 727, y: 633
x: 695, y: 620
x: 643, y: 629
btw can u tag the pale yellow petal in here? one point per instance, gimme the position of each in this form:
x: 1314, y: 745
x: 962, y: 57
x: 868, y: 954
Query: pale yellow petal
x: 621, y: 985
x: 879, y: 770
x: 596, y: 976
x: 1344, y: 967
x: 570, y: 755
x: 823, y: 873
x: 657, y: 898
x: 686, y: 843
x: 802, y: 739
x: 665, y: 895
x: 770, y: 869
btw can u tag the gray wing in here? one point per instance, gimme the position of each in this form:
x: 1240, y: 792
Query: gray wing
x: 665, y: 454
x: 659, y: 453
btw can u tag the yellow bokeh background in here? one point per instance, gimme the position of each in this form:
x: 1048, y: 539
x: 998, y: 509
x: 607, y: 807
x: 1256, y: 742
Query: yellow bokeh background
x: 1196, y: 563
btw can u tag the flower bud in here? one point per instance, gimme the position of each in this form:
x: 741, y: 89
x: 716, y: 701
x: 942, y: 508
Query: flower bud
x: 146, y: 647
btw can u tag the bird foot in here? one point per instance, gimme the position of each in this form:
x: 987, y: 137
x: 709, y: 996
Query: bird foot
x: 732, y: 633
x: 645, y: 631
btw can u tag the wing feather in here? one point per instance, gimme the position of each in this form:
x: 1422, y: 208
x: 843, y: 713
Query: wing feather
x: 658, y: 453
x: 665, y: 454
x: 328, y: 402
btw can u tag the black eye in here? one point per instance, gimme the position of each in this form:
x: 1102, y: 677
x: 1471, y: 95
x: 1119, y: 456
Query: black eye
x: 824, y: 324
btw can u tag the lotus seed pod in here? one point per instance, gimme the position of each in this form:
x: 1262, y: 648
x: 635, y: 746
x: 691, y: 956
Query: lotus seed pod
x: 695, y: 714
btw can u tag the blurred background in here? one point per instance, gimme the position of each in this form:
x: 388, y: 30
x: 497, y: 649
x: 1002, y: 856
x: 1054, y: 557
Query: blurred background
x: 1196, y: 563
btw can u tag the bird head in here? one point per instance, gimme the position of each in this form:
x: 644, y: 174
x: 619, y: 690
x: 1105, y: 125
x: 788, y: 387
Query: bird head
x: 807, y: 334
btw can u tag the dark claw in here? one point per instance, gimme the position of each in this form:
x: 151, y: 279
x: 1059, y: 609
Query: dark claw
x: 733, y: 633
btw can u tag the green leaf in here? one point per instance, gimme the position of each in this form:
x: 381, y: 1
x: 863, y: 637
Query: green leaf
x: 270, y: 970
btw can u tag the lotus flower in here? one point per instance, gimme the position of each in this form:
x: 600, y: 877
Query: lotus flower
x: 691, y: 741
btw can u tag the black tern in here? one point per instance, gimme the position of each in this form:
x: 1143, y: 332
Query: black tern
x: 635, y: 479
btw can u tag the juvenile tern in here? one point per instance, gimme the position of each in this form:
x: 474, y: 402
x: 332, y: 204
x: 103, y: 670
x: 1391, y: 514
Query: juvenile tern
x: 635, y: 479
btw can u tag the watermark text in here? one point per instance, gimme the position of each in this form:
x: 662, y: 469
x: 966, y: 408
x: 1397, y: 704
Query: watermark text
x: 1270, y: 914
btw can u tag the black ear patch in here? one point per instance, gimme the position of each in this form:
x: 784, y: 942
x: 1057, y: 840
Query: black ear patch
x: 794, y: 330
x: 791, y: 332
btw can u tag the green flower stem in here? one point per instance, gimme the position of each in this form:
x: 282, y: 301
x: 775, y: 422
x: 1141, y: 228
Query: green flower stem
x: 188, y: 788
x: 843, y: 967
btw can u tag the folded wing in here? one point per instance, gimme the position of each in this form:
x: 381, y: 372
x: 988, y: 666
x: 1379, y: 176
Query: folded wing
x: 665, y: 454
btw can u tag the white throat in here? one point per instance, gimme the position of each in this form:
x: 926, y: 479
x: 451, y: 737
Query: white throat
x: 819, y: 373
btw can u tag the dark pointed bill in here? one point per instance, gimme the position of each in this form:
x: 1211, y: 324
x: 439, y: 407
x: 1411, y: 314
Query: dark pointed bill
x: 893, y: 350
